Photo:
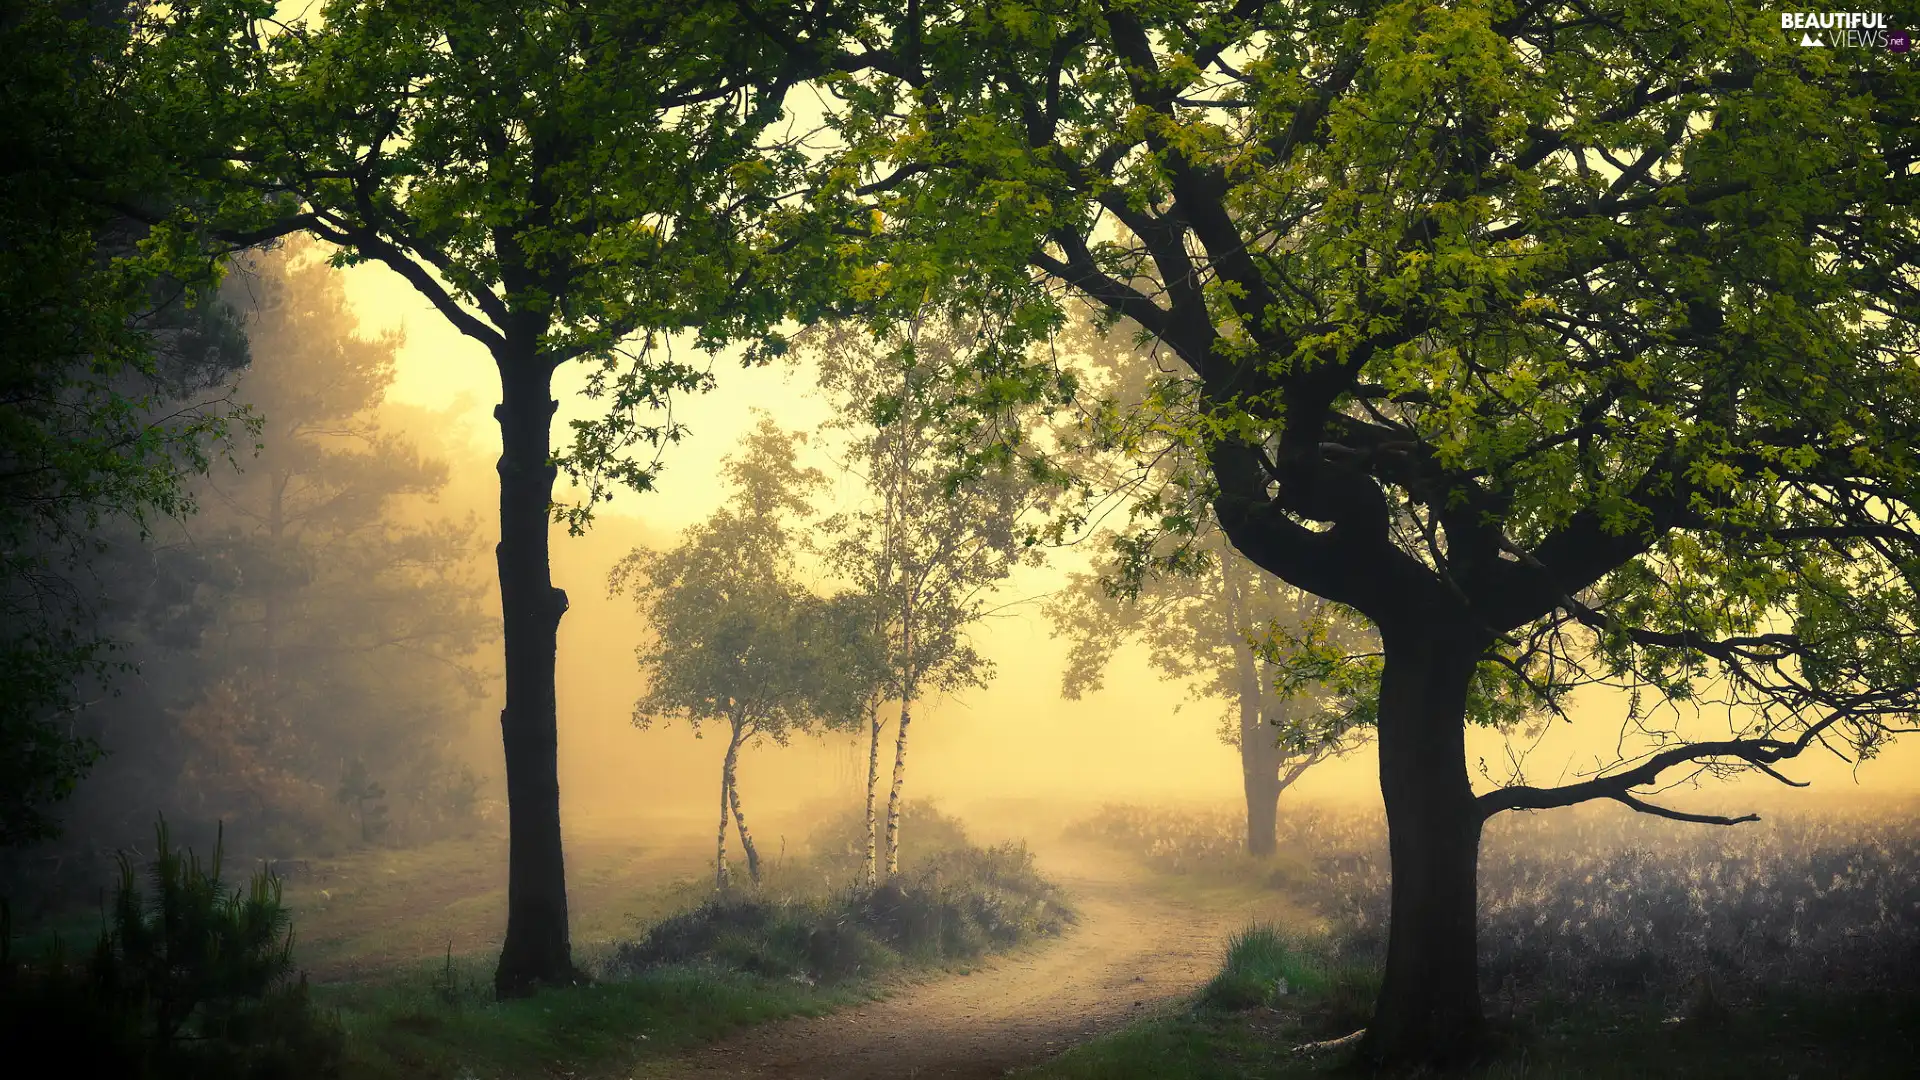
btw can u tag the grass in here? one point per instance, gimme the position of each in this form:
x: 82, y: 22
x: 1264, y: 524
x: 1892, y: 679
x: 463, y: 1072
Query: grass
x: 693, y: 964
x: 1265, y: 968
x: 1598, y: 932
x: 376, y: 912
x: 402, y: 941
x: 445, y: 1025
x: 1241, y: 1026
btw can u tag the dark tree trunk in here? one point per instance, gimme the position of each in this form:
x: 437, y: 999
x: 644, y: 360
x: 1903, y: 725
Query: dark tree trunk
x: 1428, y: 1012
x: 537, y: 949
x: 276, y: 580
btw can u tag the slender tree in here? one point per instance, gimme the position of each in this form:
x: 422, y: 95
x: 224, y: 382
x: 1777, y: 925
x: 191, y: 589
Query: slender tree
x: 941, y: 522
x: 1564, y: 342
x: 567, y: 183
x: 739, y: 639
x: 1205, y: 614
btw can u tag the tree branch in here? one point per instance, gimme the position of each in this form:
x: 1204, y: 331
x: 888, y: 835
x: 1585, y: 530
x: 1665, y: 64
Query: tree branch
x: 1759, y: 753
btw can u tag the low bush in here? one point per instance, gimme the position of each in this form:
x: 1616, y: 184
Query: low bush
x: 1264, y: 967
x: 190, y: 979
x: 951, y: 902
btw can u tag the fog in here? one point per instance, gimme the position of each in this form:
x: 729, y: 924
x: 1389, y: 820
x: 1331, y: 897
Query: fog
x: 1016, y: 746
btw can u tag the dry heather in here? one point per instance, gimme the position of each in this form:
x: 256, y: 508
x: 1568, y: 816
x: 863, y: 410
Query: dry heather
x: 1597, y: 898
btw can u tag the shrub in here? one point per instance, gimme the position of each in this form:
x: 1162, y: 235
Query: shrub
x: 1255, y: 972
x: 190, y: 980
x: 951, y: 902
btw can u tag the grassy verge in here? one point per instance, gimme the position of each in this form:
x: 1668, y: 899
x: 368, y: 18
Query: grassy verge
x: 445, y: 1025
x: 804, y: 941
x: 1274, y: 995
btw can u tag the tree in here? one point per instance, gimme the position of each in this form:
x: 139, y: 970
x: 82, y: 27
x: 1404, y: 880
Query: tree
x: 104, y: 347
x: 1201, y: 629
x: 355, y: 614
x: 1207, y: 616
x: 1563, y: 342
x: 923, y: 428
x: 558, y: 184
x: 367, y: 798
x: 316, y: 609
x: 739, y: 639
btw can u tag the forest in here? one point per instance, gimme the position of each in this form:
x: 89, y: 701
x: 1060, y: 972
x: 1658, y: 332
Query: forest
x: 1049, y: 538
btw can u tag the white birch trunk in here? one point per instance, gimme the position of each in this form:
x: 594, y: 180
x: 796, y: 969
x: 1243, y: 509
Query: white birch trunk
x: 721, y: 875
x: 720, y: 842
x: 873, y: 793
x: 740, y: 819
x: 899, y: 780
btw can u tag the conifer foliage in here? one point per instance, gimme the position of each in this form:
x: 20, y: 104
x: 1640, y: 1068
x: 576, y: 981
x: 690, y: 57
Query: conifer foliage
x: 189, y: 977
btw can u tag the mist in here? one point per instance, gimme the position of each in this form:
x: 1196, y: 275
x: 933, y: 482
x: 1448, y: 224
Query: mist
x: 802, y: 542
x: 1138, y: 740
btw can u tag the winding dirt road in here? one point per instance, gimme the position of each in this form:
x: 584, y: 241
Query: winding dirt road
x: 1131, y: 951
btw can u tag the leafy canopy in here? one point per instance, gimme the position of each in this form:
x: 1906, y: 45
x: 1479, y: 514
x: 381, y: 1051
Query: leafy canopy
x: 570, y: 181
x: 739, y: 637
x: 1584, y: 331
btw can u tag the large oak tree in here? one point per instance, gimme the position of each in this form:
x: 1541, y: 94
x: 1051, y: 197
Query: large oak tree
x: 1564, y: 341
x: 565, y: 183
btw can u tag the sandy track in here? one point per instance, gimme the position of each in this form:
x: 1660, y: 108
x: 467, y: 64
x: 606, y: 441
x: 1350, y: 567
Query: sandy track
x: 1130, y: 952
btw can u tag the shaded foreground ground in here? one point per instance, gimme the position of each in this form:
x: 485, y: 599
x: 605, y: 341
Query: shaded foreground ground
x: 373, y: 913
x: 1135, y: 951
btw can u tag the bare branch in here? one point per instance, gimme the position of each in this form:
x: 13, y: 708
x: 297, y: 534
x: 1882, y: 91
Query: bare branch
x: 1681, y: 815
x: 1759, y: 753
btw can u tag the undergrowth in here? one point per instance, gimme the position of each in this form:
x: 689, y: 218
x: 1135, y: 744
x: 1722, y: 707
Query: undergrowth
x: 1611, y: 945
x: 187, y: 978
x: 951, y: 902
x: 809, y: 938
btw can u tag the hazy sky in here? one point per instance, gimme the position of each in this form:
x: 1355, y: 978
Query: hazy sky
x: 1016, y: 739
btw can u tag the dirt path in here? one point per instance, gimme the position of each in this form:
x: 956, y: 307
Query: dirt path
x: 1132, y: 950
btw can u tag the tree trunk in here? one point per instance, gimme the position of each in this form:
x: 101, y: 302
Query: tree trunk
x: 721, y: 878
x: 1259, y: 766
x: 1260, y: 782
x: 537, y: 949
x: 1428, y: 1012
x: 873, y: 792
x: 899, y: 782
x: 900, y: 737
x: 276, y: 579
x: 740, y: 819
x: 1262, y: 790
x: 1259, y: 754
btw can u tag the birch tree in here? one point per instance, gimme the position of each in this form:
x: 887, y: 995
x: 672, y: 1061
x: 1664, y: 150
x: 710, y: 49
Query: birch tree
x: 940, y: 524
x: 739, y: 639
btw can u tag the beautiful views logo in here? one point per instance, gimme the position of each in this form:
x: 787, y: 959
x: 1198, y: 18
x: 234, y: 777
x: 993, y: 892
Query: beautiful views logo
x: 1845, y: 29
